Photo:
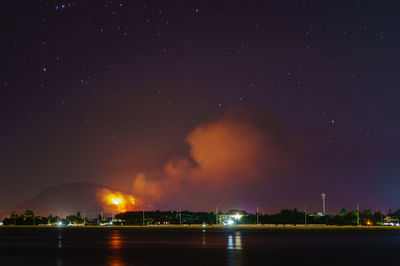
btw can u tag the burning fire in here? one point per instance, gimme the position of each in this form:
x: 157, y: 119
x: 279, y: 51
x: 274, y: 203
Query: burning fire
x: 116, y: 201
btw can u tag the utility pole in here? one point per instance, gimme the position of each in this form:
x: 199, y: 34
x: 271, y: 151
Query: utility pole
x: 257, y: 215
x: 84, y: 218
x: 323, y: 195
x: 216, y: 215
x: 143, y: 217
x: 33, y: 218
x: 180, y: 216
x: 358, y: 213
x: 305, y: 213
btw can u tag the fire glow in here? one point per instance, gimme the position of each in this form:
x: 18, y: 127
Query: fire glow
x: 232, y: 149
x: 116, y: 201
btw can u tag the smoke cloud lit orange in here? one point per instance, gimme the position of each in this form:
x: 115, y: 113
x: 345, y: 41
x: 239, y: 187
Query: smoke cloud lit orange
x: 232, y: 149
x: 226, y: 149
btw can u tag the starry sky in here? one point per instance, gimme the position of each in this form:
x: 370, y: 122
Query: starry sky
x: 129, y: 94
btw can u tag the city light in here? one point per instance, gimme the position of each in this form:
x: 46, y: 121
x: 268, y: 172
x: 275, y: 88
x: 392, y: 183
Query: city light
x: 237, y: 216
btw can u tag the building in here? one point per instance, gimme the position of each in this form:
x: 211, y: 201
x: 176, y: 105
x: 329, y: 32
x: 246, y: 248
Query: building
x: 391, y: 221
x: 231, y: 217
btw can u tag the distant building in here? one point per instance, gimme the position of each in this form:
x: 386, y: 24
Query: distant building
x: 118, y: 222
x: 316, y: 214
x: 391, y: 221
x: 231, y: 217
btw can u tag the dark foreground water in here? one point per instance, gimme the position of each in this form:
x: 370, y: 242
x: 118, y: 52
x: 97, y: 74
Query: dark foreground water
x: 120, y: 247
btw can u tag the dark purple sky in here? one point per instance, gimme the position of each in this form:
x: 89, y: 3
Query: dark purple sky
x: 99, y: 91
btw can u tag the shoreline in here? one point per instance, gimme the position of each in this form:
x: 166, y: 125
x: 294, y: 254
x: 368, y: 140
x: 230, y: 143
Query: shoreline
x: 269, y: 228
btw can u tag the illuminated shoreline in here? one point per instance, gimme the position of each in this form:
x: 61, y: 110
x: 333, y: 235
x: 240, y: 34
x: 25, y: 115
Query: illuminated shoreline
x: 217, y: 227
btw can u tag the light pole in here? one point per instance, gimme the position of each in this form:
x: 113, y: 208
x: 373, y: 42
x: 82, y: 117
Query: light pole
x: 323, y: 195
x: 143, y: 216
x: 257, y: 215
x: 358, y: 214
x: 305, y: 213
x: 180, y: 213
x: 180, y: 216
x: 216, y: 215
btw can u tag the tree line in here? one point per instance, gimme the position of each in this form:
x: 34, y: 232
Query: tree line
x: 285, y: 216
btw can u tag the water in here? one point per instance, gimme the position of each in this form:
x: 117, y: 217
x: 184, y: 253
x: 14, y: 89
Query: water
x: 122, y: 247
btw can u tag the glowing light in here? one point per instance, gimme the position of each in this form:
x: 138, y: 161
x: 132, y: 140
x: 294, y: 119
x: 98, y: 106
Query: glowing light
x: 118, y: 200
x: 115, y: 201
x: 237, y: 216
x: 230, y: 222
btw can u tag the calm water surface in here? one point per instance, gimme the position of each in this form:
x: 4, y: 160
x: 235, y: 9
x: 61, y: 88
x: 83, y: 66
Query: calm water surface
x: 121, y: 247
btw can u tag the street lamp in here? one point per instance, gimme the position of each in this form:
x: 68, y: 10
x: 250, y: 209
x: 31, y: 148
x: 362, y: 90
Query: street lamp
x: 305, y: 213
x: 257, y: 214
x: 358, y: 213
x: 323, y: 195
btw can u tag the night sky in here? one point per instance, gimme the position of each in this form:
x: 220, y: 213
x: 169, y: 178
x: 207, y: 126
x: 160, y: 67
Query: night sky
x: 195, y: 104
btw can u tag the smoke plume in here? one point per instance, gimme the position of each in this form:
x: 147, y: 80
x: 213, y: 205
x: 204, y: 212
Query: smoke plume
x: 234, y: 150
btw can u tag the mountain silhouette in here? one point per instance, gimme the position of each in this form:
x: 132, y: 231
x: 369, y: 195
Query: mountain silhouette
x: 66, y: 199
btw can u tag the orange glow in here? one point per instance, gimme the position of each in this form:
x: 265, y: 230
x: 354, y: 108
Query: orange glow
x: 226, y: 148
x: 232, y: 150
x: 369, y: 222
x: 116, y: 201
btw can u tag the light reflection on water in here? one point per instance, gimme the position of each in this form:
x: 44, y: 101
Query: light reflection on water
x: 116, y: 262
x: 59, y: 245
x: 115, y: 243
x: 238, y: 241
x: 204, y: 239
x: 230, y: 242
x: 113, y: 247
x: 235, y: 249
x: 59, y: 240
x: 237, y: 244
